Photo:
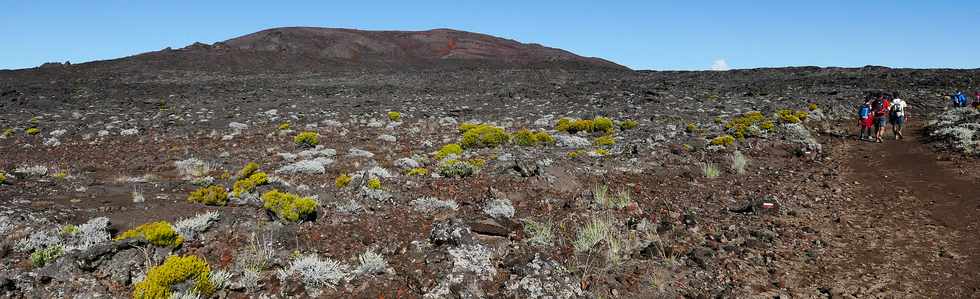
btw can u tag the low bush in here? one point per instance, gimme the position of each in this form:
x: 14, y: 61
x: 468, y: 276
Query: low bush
x: 723, y: 140
x: 484, y: 136
x: 750, y: 124
x: 544, y: 138
x: 41, y: 257
x: 175, y: 270
x: 602, y: 124
x: 248, y: 170
x: 692, y: 128
x: 374, y: 183
x: 214, y: 195
x: 3, y: 178
x: 563, y: 125
x: 69, y: 230
x: 284, y: 126
x: 289, y: 206
x: 307, y: 139
x: 342, y: 181
x: 463, y: 127
x: 604, y: 141
x: 456, y: 169
x: 628, y: 124
x: 418, y: 171
x: 525, y: 137
x: 449, y: 149
x: 32, y: 131
x: 249, y: 177
x: 159, y: 233
x: 394, y: 115
x: 790, y: 116
x: 8, y: 133
x: 582, y: 125
x: 813, y: 106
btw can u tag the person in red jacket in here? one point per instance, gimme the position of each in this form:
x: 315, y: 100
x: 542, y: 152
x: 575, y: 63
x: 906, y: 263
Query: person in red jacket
x: 880, y: 108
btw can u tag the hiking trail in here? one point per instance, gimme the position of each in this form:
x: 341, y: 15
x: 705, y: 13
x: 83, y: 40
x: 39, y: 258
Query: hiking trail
x: 909, y: 228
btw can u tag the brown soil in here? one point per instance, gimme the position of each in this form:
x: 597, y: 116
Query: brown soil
x: 908, y: 229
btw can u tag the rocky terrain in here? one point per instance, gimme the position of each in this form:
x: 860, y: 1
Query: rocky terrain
x: 308, y: 162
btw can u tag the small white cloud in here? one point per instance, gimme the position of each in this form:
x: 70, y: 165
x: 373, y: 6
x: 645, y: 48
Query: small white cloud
x: 719, y: 65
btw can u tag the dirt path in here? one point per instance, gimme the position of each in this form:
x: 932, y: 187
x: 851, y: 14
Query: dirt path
x: 908, y: 229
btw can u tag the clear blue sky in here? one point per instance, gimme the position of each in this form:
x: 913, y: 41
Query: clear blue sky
x: 662, y: 35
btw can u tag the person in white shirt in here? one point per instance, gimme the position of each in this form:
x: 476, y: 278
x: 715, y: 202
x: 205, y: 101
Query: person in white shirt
x: 898, y: 116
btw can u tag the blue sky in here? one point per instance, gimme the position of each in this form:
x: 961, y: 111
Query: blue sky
x: 661, y: 35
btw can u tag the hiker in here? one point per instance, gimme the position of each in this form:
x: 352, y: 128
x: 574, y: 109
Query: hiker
x: 976, y: 100
x: 864, y: 120
x: 959, y: 99
x: 880, y: 109
x: 898, y: 116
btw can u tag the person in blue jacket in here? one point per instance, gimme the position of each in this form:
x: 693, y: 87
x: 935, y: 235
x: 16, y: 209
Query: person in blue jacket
x: 864, y: 120
x: 959, y: 99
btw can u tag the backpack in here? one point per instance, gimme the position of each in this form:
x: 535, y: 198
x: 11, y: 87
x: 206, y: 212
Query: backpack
x: 898, y: 108
x: 864, y: 111
x: 878, y: 105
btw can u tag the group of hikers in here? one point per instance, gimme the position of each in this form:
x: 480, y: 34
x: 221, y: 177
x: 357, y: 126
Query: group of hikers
x: 959, y: 99
x: 878, y: 109
x: 881, y: 108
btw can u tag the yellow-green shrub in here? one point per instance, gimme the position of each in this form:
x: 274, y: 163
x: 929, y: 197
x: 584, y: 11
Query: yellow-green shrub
x: 724, y: 140
x: 176, y: 269
x: 3, y: 178
x: 374, y: 183
x: 8, y: 132
x: 342, y: 181
x: 582, y: 125
x: 604, y: 141
x: 463, y: 127
x: 544, y: 137
x: 289, y: 206
x: 69, y: 230
x: 790, y: 116
x: 628, y: 124
x: 213, y: 196
x: 284, y: 126
x: 602, y: 124
x: 41, y: 257
x: 394, y: 115
x: 741, y: 126
x: 477, y: 162
x: 307, y: 138
x: 691, y: 128
x: 813, y: 106
x: 248, y: 178
x: 418, y: 171
x: 563, y: 125
x: 248, y: 169
x: 484, y: 136
x: 573, y: 126
x: 32, y: 131
x: 159, y: 233
x: 455, y: 168
x: 525, y: 137
x: 601, y: 152
x: 247, y: 185
x: 449, y: 149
